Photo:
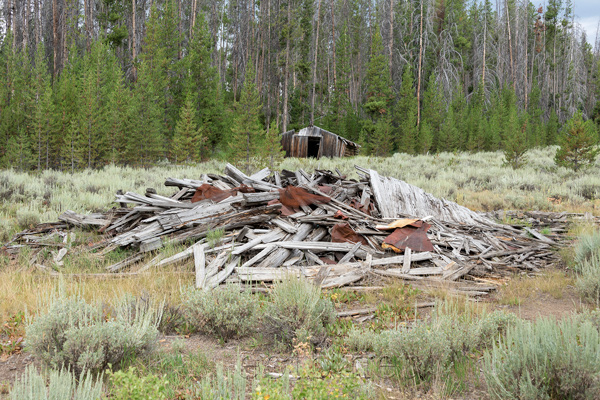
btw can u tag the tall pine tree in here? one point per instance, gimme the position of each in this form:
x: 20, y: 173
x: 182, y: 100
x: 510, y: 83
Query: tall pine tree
x: 246, y: 130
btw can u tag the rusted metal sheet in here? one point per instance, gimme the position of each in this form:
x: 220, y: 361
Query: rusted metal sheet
x: 344, y: 233
x: 207, y: 191
x: 412, y: 236
x: 295, y: 197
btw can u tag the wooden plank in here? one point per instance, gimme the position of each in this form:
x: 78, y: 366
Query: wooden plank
x: 251, y: 199
x: 348, y: 256
x: 225, y: 273
x: 286, y: 226
x: 258, y: 274
x: 199, y: 264
x: 351, y: 313
x: 344, y: 279
x: 213, y: 268
x: 125, y: 263
x: 406, y: 261
x: 538, y: 235
x: 261, y: 175
x: 321, y: 275
x: 317, y: 247
x: 268, y: 249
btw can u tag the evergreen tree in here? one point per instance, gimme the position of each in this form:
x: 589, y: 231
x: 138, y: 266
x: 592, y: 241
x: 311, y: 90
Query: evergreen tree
x: 425, y: 140
x: 118, y: 99
x: 434, y: 110
x: 144, y: 123
x: 448, y: 137
x: 515, y: 141
x: 162, y: 64
x: 496, y: 115
x: 43, y: 114
x: 188, y: 138
x: 92, y: 139
x: 204, y: 83
x: 536, y: 135
x: 578, y: 143
x: 406, y: 114
x: 271, y: 152
x: 246, y: 131
x: 381, y: 143
x: 379, y: 94
x: 552, y: 127
x: 66, y: 91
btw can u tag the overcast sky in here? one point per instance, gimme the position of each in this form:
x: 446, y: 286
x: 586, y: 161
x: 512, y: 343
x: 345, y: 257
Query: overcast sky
x: 588, y: 14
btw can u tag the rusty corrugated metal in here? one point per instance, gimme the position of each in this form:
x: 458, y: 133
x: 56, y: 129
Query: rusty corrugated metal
x: 413, y: 236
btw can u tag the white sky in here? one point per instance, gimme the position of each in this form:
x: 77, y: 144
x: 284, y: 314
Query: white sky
x: 587, y: 13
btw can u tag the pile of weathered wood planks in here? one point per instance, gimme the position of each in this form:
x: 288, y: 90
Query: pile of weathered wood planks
x: 332, y: 230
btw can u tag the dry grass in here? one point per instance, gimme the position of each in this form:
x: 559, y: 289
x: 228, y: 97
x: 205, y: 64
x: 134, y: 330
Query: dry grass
x: 522, y: 288
x: 20, y: 290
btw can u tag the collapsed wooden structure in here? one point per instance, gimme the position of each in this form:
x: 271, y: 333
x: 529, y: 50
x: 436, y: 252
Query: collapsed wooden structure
x: 332, y: 230
x: 316, y: 142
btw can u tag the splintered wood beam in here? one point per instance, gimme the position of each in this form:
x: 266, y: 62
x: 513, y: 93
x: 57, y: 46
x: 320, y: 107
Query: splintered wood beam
x: 348, y: 256
x: 406, y: 261
x: 199, y: 264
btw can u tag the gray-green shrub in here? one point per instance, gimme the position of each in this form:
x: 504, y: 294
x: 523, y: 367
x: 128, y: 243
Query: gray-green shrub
x: 226, y: 312
x: 62, y: 385
x: 546, y: 359
x: 586, y: 247
x: 588, y: 278
x: 430, y: 348
x: 76, y: 335
x: 296, y: 311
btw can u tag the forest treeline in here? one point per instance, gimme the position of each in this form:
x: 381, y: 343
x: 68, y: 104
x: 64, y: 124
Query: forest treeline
x: 85, y: 83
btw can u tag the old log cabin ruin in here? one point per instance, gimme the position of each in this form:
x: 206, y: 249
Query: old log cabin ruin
x: 315, y: 142
x: 332, y: 230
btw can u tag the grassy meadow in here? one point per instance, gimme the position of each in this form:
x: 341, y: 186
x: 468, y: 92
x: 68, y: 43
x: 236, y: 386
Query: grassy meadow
x: 151, y: 336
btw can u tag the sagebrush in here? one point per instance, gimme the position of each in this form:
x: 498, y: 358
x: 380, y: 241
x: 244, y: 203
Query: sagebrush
x: 296, y: 312
x: 545, y: 359
x: 225, y: 312
x: 80, y: 336
x: 57, y: 385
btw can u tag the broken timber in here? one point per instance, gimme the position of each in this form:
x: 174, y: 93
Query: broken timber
x: 321, y: 225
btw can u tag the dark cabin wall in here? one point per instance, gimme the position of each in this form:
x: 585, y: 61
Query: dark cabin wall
x: 331, y: 144
x: 286, y: 142
x: 299, y: 146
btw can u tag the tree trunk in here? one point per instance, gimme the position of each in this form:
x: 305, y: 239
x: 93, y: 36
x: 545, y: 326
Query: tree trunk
x: 314, y: 83
x: 133, y: 41
x: 38, y: 22
x: 26, y: 26
x: 179, y: 29
x: 55, y: 43
x: 286, y: 79
x: 391, y: 38
x: 484, y: 50
x: 512, y: 67
x: 87, y: 13
x: 333, y: 44
x: 420, y: 67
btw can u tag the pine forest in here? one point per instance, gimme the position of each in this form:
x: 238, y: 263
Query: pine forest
x: 88, y: 83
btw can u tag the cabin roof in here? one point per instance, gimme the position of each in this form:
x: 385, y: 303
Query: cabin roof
x: 316, y: 131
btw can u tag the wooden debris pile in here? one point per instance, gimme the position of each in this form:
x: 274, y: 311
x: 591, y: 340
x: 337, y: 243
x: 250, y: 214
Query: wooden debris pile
x: 332, y: 230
